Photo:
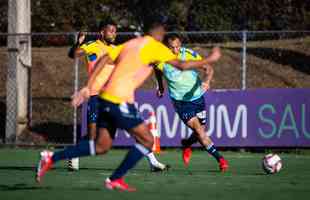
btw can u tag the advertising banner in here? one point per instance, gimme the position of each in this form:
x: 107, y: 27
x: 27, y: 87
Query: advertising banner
x: 235, y: 118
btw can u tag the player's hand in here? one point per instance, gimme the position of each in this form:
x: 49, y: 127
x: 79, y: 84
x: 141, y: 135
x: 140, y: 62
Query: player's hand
x: 159, y: 93
x: 80, y: 97
x: 215, y: 55
x: 81, y: 37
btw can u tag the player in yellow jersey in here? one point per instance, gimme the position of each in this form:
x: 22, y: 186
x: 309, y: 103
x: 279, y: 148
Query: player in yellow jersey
x: 92, y: 51
x: 116, y: 102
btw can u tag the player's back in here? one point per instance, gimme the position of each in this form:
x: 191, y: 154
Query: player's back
x: 131, y: 70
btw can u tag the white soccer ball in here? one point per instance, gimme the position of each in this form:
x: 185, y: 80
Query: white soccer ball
x: 272, y: 163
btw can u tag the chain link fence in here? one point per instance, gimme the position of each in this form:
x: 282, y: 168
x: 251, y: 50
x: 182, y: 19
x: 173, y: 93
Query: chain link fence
x: 3, y: 74
x: 250, y: 60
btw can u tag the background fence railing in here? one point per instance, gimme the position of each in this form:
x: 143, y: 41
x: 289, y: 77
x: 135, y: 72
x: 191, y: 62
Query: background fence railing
x: 251, y: 59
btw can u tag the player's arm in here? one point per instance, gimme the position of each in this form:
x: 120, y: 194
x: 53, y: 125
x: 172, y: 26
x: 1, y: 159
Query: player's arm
x: 160, y: 82
x: 103, y: 68
x: 208, y: 78
x: 97, y: 79
x: 184, y: 65
x: 101, y: 74
x: 75, y: 51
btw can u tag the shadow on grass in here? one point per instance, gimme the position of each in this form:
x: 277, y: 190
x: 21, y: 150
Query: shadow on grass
x: 22, y: 186
x: 15, y: 168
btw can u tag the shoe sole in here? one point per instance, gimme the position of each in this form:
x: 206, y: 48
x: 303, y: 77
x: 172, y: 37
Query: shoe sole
x: 110, y: 187
x: 167, y: 168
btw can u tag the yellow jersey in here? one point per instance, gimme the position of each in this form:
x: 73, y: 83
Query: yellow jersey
x: 132, y: 67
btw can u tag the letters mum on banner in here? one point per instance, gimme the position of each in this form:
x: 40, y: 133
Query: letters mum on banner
x: 262, y: 117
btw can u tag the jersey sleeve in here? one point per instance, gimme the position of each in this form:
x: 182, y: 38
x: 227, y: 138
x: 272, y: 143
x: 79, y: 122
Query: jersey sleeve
x: 87, y: 47
x: 192, y: 55
x: 155, y: 52
x: 163, y: 53
x: 115, y: 51
x: 94, y: 47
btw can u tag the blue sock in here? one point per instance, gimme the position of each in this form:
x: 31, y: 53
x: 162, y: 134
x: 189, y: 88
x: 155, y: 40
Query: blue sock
x: 213, y: 151
x: 135, y: 154
x: 84, y: 148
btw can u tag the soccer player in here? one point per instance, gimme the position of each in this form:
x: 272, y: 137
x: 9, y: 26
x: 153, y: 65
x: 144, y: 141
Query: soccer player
x: 186, y: 92
x: 116, y: 102
x: 93, y: 51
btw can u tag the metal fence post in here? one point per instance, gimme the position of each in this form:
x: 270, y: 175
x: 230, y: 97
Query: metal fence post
x: 19, y: 49
x: 76, y: 86
x: 243, y: 67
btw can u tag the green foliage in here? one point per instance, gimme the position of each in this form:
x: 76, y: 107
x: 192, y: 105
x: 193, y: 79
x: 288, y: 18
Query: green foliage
x: 70, y: 15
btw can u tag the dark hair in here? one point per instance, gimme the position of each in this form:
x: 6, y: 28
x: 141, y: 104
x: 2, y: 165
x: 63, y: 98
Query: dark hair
x: 173, y: 36
x: 105, y: 22
x: 152, y: 23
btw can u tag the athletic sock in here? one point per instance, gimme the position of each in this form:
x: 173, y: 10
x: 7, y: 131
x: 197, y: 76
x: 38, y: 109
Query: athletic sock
x: 152, y: 159
x: 84, y: 148
x: 133, y: 156
x: 189, y: 141
x: 213, y: 151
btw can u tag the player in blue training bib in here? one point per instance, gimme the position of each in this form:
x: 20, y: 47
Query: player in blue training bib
x: 186, y: 91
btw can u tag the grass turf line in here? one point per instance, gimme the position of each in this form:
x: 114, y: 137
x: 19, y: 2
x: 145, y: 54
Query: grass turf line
x: 244, y: 180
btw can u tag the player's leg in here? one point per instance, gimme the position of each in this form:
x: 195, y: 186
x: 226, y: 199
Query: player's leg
x: 142, y: 147
x: 84, y: 148
x: 104, y: 140
x: 197, y: 124
x: 193, y: 114
x: 155, y: 165
x: 126, y: 116
x: 185, y: 111
x: 188, y: 142
x: 186, y: 148
x: 92, y: 115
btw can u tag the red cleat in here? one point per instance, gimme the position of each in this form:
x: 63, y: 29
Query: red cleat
x: 223, y: 164
x: 44, y: 165
x: 187, y: 154
x: 118, y: 184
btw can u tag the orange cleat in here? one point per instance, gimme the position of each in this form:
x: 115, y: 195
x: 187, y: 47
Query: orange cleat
x: 118, y: 184
x: 223, y: 164
x: 44, y: 165
x: 186, y: 155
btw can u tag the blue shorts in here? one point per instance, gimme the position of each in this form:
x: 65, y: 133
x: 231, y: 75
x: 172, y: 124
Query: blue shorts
x: 189, y: 109
x: 113, y: 116
x: 92, y: 109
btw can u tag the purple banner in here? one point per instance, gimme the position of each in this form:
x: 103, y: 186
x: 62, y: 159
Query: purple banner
x: 235, y: 118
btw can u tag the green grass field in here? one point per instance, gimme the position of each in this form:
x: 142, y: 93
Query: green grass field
x: 245, y: 179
